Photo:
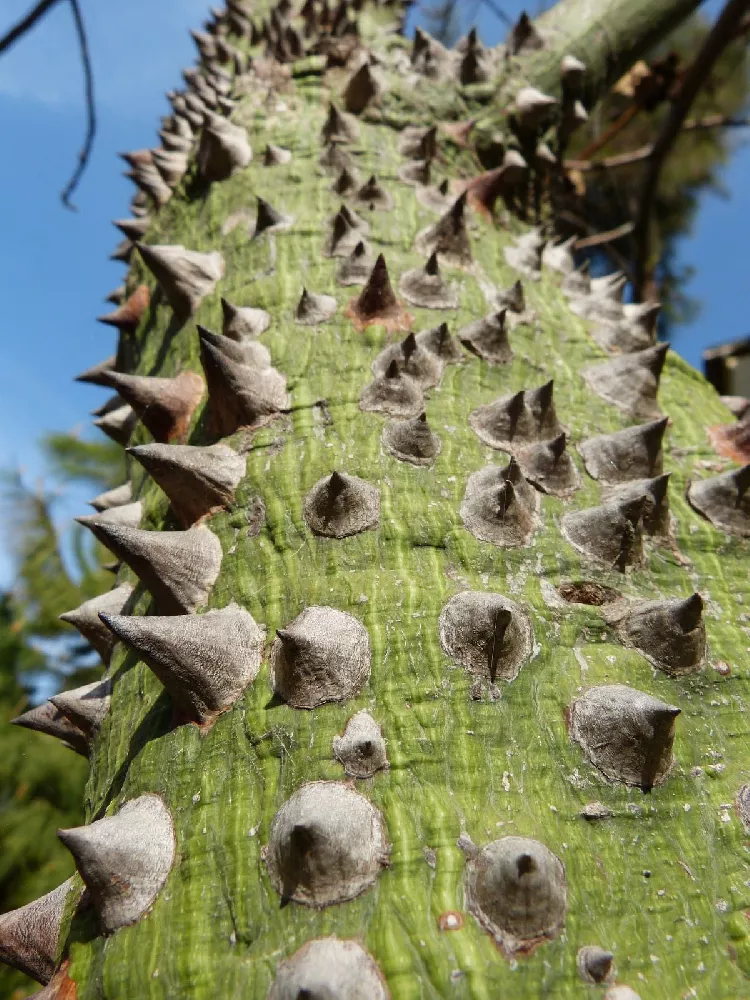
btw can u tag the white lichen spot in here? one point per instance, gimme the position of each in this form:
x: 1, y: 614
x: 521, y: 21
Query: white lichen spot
x: 581, y: 660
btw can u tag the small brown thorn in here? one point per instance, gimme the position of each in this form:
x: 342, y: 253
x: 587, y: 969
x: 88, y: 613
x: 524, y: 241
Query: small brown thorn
x: 377, y: 303
x: 128, y: 315
x: 164, y: 405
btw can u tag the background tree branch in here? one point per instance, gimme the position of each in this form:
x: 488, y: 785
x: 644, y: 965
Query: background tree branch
x: 724, y: 31
x: 88, y: 76
x: 23, y: 27
x: 26, y: 23
x: 645, y: 151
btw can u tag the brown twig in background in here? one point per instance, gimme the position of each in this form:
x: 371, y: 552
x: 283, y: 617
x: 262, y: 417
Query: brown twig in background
x: 724, y: 31
x: 644, y: 152
x: 580, y: 224
x: 617, y: 126
x: 22, y: 28
x: 599, y: 239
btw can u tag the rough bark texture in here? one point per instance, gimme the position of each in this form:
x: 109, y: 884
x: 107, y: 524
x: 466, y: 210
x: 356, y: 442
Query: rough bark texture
x: 661, y: 881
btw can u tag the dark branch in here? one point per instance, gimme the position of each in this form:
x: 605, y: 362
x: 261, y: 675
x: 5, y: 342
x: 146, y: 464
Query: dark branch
x: 497, y: 11
x: 26, y: 24
x: 22, y: 28
x: 724, y: 31
x: 84, y: 155
x: 644, y: 152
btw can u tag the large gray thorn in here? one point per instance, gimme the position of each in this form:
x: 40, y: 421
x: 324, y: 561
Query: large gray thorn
x: 331, y: 968
x: 118, y: 424
x: 327, y: 844
x: 116, y: 497
x: 223, y: 149
x: 196, y: 480
x: 124, y: 859
x: 86, y: 618
x: 185, y: 276
x: 85, y: 706
x: 30, y: 935
x: 610, y: 533
x: 95, y: 374
x: 128, y: 514
x: 178, y: 568
x: 625, y: 733
x: 204, y: 661
x: 516, y: 889
x: 631, y: 381
x: 724, y: 500
x: 632, y: 453
x: 240, y: 395
x: 49, y: 720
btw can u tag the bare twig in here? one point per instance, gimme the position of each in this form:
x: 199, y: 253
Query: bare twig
x: 497, y: 11
x: 645, y: 151
x: 88, y: 143
x: 26, y: 24
x: 22, y: 28
x: 617, y: 126
x: 724, y: 31
x: 581, y: 224
x: 599, y: 239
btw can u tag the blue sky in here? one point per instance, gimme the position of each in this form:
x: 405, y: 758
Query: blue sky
x: 54, y: 267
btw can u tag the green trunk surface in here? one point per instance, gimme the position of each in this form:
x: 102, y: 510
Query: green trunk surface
x: 662, y: 883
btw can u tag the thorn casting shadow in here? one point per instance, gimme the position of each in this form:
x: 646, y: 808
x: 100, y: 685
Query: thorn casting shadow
x: 157, y: 722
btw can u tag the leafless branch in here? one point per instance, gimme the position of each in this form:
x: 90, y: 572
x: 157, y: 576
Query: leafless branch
x: 645, y: 151
x: 581, y: 224
x: 617, y: 126
x: 88, y: 143
x: 724, y: 31
x: 26, y: 24
x: 22, y: 28
x: 599, y: 239
x: 497, y: 11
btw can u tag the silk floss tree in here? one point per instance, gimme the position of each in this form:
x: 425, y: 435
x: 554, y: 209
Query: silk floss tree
x: 424, y: 671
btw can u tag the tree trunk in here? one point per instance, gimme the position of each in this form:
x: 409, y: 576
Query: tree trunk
x: 474, y: 695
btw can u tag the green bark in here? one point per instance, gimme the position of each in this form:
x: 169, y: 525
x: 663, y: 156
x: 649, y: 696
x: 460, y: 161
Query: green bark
x: 457, y: 765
